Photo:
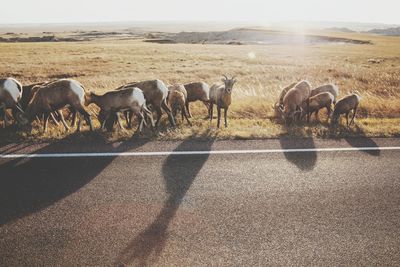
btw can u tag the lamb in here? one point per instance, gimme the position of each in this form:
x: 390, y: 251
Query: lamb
x: 221, y: 96
x: 294, y: 99
x: 155, y: 93
x: 345, y: 106
x: 10, y: 95
x: 55, y: 96
x: 330, y: 88
x: 129, y: 99
x: 177, y: 99
x: 197, y: 91
x: 317, y: 102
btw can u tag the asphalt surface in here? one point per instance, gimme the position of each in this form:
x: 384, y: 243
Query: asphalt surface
x: 313, y: 208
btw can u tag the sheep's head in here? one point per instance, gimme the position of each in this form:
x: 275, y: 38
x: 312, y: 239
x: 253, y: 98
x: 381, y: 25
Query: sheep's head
x: 228, y: 83
x: 89, y: 98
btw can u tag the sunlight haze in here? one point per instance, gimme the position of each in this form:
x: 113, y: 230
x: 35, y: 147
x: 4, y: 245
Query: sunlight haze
x: 51, y: 11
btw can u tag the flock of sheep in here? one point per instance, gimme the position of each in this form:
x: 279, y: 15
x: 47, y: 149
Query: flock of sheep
x: 140, y: 99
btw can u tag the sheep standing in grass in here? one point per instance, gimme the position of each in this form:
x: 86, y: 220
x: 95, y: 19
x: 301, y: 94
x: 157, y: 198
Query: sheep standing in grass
x: 10, y: 95
x: 221, y: 96
x: 177, y: 101
x: 155, y: 93
x: 55, y: 96
x: 197, y: 91
x: 293, y: 101
x: 327, y: 88
x: 317, y: 102
x: 345, y: 106
x: 129, y: 99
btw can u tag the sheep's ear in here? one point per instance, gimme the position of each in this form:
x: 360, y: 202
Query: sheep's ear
x: 223, y: 80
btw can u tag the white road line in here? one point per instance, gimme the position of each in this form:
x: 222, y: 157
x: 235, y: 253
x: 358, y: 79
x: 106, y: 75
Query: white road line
x: 200, y: 152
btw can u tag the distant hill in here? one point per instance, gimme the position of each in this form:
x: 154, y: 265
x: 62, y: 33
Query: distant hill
x: 388, y: 31
x: 338, y: 29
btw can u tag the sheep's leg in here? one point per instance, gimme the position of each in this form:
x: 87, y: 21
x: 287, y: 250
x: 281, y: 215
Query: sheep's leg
x: 53, y: 118
x: 184, y: 114
x: 188, y: 110
x: 63, y: 122
x: 226, y: 117
x: 159, y: 113
x: 86, y: 115
x: 103, y: 125
x: 316, y: 115
x: 347, y: 119
x: 168, y: 111
x: 219, y: 116
x: 148, y: 114
x: 211, y: 111
x: 119, y: 121
x: 329, y: 110
x: 73, y: 122
x: 46, y: 120
x: 354, y: 114
x: 141, y: 119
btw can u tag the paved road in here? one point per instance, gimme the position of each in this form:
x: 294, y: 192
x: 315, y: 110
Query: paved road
x: 314, y: 208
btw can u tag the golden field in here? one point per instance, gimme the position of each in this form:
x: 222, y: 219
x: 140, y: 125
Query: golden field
x: 261, y: 70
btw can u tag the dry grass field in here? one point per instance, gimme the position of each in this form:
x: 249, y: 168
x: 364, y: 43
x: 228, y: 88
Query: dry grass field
x: 261, y: 70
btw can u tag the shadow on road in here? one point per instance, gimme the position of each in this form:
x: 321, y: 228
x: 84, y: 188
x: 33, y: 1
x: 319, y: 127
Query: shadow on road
x: 28, y: 185
x: 363, y: 141
x: 179, y: 173
x: 305, y: 161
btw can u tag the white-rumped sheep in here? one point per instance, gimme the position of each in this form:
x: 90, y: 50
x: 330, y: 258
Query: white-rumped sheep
x: 155, y: 93
x: 10, y: 95
x: 345, y: 106
x: 317, y: 102
x: 176, y: 101
x: 221, y: 96
x: 294, y: 99
x: 326, y: 88
x: 129, y: 99
x: 56, y: 95
x: 197, y: 91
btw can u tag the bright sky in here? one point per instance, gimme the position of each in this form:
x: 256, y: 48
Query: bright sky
x: 47, y: 11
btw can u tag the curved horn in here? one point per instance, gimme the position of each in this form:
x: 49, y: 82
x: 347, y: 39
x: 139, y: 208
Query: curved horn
x: 226, y: 78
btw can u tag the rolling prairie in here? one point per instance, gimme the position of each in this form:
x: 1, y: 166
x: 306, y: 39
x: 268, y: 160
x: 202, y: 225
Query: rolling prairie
x: 373, y: 70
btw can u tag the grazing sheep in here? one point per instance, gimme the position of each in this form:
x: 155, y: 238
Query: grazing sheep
x: 329, y: 88
x: 197, y: 91
x: 129, y: 99
x: 282, y: 95
x: 55, y: 96
x: 317, y: 102
x: 294, y: 99
x: 10, y: 95
x: 176, y: 101
x: 155, y: 93
x: 221, y: 96
x: 345, y: 106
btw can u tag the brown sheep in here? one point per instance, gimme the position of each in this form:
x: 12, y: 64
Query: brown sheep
x: 294, y: 99
x: 55, y: 96
x: 329, y: 88
x: 345, y: 106
x: 197, y: 91
x: 176, y: 101
x: 221, y: 96
x: 317, y: 102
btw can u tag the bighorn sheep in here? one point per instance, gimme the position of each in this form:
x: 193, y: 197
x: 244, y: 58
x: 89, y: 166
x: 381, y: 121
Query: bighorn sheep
x: 197, y: 91
x: 329, y: 88
x: 155, y: 93
x: 55, y: 96
x: 294, y: 99
x: 282, y: 95
x: 177, y: 99
x: 317, y: 102
x: 129, y: 99
x: 221, y: 96
x: 345, y: 106
x: 10, y: 95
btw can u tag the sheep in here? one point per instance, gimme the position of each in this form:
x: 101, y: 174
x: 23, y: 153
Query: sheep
x: 10, y: 95
x: 317, y: 102
x: 197, y: 91
x: 294, y: 99
x: 345, y: 106
x: 155, y: 93
x: 282, y: 95
x: 56, y: 95
x: 221, y: 96
x: 330, y: 88
x: 177, y: 99
x: 131, y: 99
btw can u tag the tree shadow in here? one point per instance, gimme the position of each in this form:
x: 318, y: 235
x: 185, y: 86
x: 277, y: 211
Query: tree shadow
x: 28, y: 185
x: 305, y: 161
x: 361, y: 140
x: 179, y: 172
